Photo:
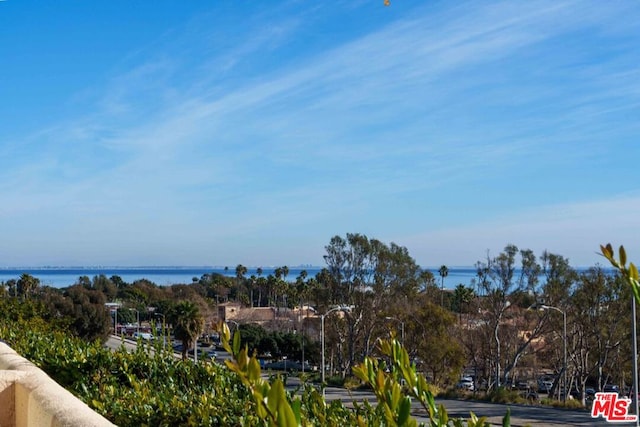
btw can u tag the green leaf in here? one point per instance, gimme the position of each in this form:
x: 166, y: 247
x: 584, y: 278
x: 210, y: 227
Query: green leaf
x: 636, y: 291
x: 623, y: 255
x: 633, y: 272
x: 404, y: 411
x: 442, y: 414
x: 607, y: 252
x: 254, y: 369
x: 296, y: 406
x: 286, y: 417
x: 506, y: 421
x: 275, y: 394
x: 236, y: 342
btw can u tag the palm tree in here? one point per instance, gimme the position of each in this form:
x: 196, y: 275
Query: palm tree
x: 187, y: 324
x: 241, y: 270
x: 27, y: 285
x: 285, y: 285
x: 276, y: 285
x: 463, y: 295
x: 252, y: 285
x: 444, y: 272
x: 259, y: 273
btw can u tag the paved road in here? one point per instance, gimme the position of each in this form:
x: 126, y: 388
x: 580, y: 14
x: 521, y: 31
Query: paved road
x: 114, y: 342
x: 521, y: 415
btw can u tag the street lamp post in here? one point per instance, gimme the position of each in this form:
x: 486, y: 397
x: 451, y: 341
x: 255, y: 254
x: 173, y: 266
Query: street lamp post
x: 345, y: 308
x: 564, y: 345
x: 401, y: 328
x: 634, y: 370
x: 164, y: 331
x: 138, y: 321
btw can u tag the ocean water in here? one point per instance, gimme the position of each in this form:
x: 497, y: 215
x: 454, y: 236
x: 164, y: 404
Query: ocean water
x: 60, y: 277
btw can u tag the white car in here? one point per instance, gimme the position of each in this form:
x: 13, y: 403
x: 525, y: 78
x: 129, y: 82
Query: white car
x: 466, y: 383
x: 144, y: 335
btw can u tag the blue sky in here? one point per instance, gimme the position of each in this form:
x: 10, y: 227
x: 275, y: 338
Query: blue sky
x: 225, y: 132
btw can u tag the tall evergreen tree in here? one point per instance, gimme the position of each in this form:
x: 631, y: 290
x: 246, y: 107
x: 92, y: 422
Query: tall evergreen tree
x: 187, y: 324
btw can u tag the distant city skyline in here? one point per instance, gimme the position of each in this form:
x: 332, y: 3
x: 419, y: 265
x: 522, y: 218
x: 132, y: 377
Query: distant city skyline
x: 196, y: 133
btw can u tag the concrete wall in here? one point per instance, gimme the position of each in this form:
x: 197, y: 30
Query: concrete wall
x: 29, y: 397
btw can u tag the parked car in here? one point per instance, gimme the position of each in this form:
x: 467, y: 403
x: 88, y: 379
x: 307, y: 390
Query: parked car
x: 144, y: 335
x: 287, y: 365
x: 466, y: 383
x: 203, y: 353
x: 611, y: 388
x: 544, y: 386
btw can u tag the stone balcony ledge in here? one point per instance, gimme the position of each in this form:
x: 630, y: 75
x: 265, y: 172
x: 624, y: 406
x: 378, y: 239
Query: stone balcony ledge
x: 30, y: 398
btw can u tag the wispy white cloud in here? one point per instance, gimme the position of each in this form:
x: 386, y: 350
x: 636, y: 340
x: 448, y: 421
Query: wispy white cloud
x: 446, y: 101
x: 560, y: 229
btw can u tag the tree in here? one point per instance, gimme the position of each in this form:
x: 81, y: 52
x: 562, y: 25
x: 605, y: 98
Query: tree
x: 462, y: 296
x: 252, y: 284
x: 241, y: 270
x: 27, y: 285
x: 117, y: 280
x: 370, y: 276
x: 597, y: 328
x: 187, y: 324
x: 284, y: 285
x: 260, y: 283
x: 444, y: 272
x: 498, y: 281
x: 82, y: 309
x: 560, y: 278
x: 105, y: 285
x: 440, y: 355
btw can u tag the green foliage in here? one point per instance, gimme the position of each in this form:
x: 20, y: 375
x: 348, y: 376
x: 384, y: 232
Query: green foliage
x: 153, y: 388
x: 504, y: 395
x: 278, y: 344
x: 83, y: 310
x: 134, y: 388
x: 393, y: 390
x: 187, y: 324
x: 630, y: 273
x: 335, y: 381
x: 27, y: 285
x: 441, y: 356
x: 569, y: 404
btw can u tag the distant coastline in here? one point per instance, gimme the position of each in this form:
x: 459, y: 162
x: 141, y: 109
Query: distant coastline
x: 59, y: 277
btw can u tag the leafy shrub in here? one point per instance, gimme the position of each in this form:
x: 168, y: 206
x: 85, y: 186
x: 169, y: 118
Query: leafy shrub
x: 154, y: 388
x: 569, y: 404
x: 134, y: 388
x: 335, y: 381
x: 455, y: 393
x: 504, y: 395
x: 352, y: 383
